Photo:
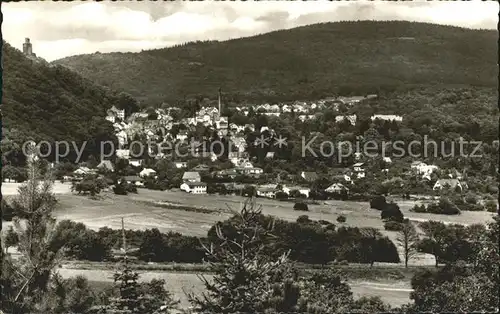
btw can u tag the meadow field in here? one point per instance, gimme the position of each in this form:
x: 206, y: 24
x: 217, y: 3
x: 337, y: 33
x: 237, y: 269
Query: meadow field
x: 160, y: 209
x: 393, y: 291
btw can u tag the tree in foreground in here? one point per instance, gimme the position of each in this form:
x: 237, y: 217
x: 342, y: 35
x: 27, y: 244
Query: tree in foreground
x: 408, y: 238
x: 131, y: 297
x: 245, y: 280
x: 25, y: 281
x: 461, y: 287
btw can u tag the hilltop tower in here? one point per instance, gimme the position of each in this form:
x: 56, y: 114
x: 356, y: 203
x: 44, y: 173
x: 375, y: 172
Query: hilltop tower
x: 27, y: 47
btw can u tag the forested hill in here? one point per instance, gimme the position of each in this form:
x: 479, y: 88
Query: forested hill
x: 343, y: 57
x: 46, y: 102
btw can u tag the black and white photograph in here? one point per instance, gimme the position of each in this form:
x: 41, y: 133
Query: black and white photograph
x: 249, y: 157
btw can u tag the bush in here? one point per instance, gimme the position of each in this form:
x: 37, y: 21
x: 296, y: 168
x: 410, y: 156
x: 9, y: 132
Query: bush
x: 491, y: 206
x: 392, y: 213
x: 120, y: 189
x: 7, y: 211
x: 444, y: 207
x: 378, y: 202
x: 324, y: 222
x: 341, y: 219
x: 419, y: 209
x: 393, y: 226
x: 301, y: 206
x: 470, y: 207
x: 303, y: 219
x: 281, y: 195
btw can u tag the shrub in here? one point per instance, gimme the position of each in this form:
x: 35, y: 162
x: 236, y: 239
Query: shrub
x: 491, y: 206
x: 378, y: 202
x: 7, y: 211
x: 120, y: 189
x: 393, y: 226
x: 444, y: 207
x: 341, y: 219
x: 301, y: 206
x: 419, y: 208
x: 324, y: 222
x: 303, y: 219
x: 281, y: 195
x: 470, y: 207
x: 470, y: 199
x: 392, y: 213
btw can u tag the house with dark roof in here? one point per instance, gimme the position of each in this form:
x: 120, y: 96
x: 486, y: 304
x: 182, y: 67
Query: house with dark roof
x: 191, y: 176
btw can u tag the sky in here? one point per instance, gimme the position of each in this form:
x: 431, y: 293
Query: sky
x: 61, y: 29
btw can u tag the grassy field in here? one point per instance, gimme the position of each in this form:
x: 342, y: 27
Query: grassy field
x: 393, y: 291
x: 155, y: 209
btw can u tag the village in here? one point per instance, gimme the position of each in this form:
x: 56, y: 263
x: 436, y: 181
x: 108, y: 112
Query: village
x: 201, y: 169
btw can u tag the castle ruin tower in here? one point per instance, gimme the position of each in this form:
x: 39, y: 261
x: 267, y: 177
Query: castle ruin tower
x: 27, y: 47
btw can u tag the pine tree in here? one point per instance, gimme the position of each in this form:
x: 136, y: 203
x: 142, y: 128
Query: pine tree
x: 132, y: 297
x: 245, y: 280
x: 27, y: 279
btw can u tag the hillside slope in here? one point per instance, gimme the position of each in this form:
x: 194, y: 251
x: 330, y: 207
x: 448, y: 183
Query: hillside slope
x: 320, y: 59
x: 45, y: 102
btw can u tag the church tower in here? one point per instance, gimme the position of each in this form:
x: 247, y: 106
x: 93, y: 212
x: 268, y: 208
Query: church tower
x: 220, y: 102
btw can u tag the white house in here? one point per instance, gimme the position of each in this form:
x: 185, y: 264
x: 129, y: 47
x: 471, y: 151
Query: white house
x: 336, y: 188
x: 351, y: 119
x: 135, y: 162
x: 450, y: 183
x: 194, y: 187
x: 302, y: 190
x: 423, y: 169
x: 359, y: 170
x: 180, y: 164
x: 82, y: 171
x: 123, y: 153
x: 387, y: 117
x: 266, y: 191
x: 182, y: 136
x: 387, y: 160
x: 146, y: 172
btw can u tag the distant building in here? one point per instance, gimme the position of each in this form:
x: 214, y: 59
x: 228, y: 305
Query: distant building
x: 28, y: 48
x: 359, y: 170
x: 106, y: 165
x: 135, y: 180
x: 351, y: 119
x: 336, y: 188
x: 450, y: 183
x: 302, y: 190
x: 191, y: 176
x: 135, y: 162
x: 387, y: 117
x: 180, y: 164
x: 147, y: 172
x: 194, y: 187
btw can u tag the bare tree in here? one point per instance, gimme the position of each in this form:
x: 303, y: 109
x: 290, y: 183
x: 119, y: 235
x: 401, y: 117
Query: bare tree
x: 408, y: 238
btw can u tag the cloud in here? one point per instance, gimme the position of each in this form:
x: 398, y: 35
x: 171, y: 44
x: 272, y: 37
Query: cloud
x: 59, y: 29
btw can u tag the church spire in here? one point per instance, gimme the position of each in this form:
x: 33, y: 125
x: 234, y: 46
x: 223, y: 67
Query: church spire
x: 220, y: 102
